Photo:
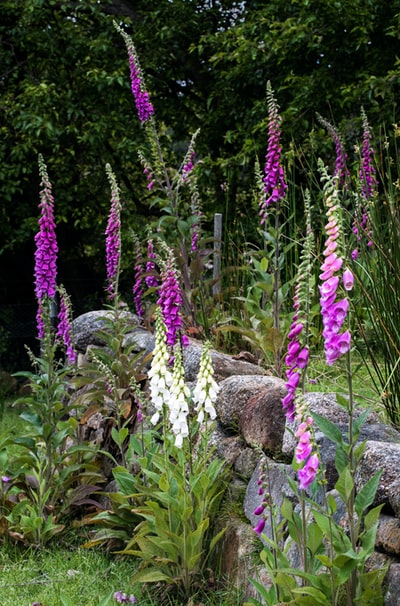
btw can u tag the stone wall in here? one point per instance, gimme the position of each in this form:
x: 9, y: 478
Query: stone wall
x: 251, y: 427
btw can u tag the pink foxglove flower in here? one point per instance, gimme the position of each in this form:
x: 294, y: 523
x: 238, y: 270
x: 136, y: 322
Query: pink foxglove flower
x: 308, y: 473
x: 348, y: 279
x: 333, y: 312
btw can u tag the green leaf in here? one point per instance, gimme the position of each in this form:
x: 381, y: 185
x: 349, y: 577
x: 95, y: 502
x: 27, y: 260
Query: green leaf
x: 151, y: 576
x: 317, y: 596
x: 125, y: 481
x: 314, y: 538
x: 366, y: 495
x: 323, y: 523
x: 345, y: 484
x: 329, y: 429
x: 119, y: 436
x: 106, y: 600
x: 359, y: 421
x: 372, y: 516
x: 342, y: 401
x: 216, y: 538
x: 341, y: 459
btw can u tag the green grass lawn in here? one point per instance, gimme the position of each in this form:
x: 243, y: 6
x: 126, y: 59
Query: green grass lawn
x: 84, y: 577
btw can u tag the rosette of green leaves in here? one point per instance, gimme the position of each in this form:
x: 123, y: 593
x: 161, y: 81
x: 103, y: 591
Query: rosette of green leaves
x: 180, y: 495
x: 51, y: 470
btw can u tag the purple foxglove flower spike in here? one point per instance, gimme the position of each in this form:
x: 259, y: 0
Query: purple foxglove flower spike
x: 274, y: 179
x: 341, y: 171
x: 64, y: 329
x: 46, y: 248
x: 113, y: 237
x: 367, y: 170
x: 144, y: 106
x: 137, y: 289
x: 170, y: 301
x: 151, y: 280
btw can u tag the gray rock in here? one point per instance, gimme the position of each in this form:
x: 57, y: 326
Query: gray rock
x: 388, y: 535
x: 279, y: 489
x: 224, y: 365
x: 86, y: 326
x: 236, y: 391
x: 392, y: 582
x: 262, y: 421
x: 383, y: 456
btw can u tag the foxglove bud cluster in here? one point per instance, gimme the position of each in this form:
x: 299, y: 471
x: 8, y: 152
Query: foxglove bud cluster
x: 137, y: 289
x: 369, y: 183
x: 367, y: 169
x: 296, y: 360
x: 178, y: 402
x: 113, y: 237
x: 260, y: 510
x: 274, y: 179
x: 206, y: 389
x: 188, y: 161
x: 150, y: 279
x: 188, y: 166
x: 341, y: 173
x: 297, y: 354
x: 64, y: 329
x: 333, y: 311
x: 159, y: 374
